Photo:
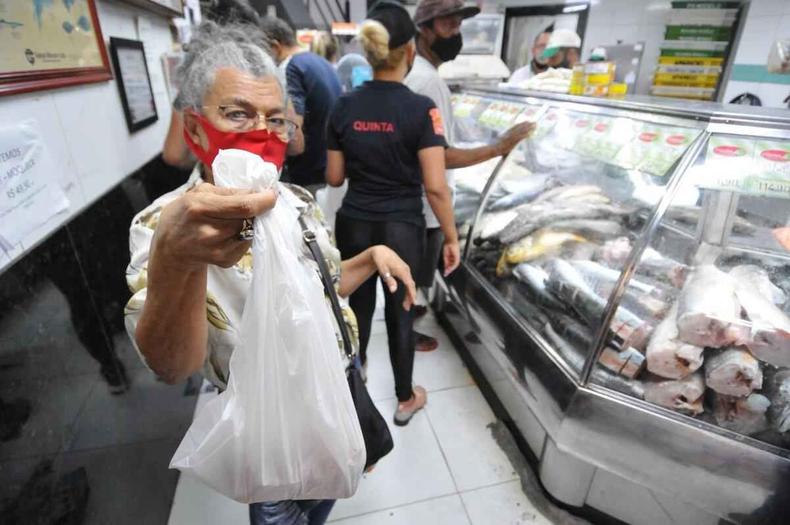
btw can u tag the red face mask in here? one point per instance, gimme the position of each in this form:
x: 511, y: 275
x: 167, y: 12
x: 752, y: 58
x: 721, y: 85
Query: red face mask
x: 267, y: 145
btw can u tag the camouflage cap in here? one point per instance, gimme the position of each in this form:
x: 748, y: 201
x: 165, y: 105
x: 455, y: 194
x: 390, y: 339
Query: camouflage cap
x: 427, y: 10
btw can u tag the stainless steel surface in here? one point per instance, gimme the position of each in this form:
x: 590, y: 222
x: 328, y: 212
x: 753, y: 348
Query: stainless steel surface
x: 649, y: 230
x: 565, y: 476
x: 683, y: 458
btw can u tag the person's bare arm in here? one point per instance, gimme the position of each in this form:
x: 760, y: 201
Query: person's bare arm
x: 197, y: 229
x: 438, y: 195
x: 175, y: 151
x: 335, y: 168
x: 358, y: 269
x: 296, y: 144
x: 463, y: 157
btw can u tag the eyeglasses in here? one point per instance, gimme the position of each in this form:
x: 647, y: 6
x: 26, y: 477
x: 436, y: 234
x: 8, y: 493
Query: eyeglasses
x: 243, y: 119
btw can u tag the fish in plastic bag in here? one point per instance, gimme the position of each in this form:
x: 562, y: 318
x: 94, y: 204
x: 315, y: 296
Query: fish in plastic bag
x: 286, y: 427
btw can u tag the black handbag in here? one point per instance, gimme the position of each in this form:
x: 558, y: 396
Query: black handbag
x: 378, y: 440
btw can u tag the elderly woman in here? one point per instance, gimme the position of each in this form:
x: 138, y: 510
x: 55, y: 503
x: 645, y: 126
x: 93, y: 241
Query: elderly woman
x: 190, y: 266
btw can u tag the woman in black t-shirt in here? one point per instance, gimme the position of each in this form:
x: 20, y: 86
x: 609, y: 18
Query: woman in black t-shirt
x: 389, y: 143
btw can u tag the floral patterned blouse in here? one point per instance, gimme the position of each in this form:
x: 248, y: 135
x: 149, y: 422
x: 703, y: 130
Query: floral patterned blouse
x: 227, y: 287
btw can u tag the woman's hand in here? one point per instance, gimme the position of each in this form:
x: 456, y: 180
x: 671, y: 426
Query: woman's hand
x: 393, y: 269
x: 202, y: 226
x: 452, y: 256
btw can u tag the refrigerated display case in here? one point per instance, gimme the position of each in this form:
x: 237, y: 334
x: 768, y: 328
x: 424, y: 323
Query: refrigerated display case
x: 624, y: 296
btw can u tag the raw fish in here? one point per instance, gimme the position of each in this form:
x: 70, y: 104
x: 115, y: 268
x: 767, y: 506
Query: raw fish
x: 769, y: 337
x: 615, y: 252
x: 652, y: 264
x: 745, y: 415
x: 599, y: 272
x: 655, y: 265
x: 669, y: 357
x: 491, y: 224
x: 522, y: 191
x: 708, y: 310
x: 682, y: 395
x: 541, y: 243
x: 533, y: 217
x: 777, y: 388
x: 629, y: 362
x: 567, y: 192
x: 589, y: 228
x: 569, y: 285
x: 733, y: 372
x: 756, y: 278
x: 535, y: 278
x: 573, y: 351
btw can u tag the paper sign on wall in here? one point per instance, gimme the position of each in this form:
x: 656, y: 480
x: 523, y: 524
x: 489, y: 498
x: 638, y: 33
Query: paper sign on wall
x: 30, y: 194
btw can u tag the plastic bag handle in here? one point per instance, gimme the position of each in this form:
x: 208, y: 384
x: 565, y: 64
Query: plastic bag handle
x: 309, y: 238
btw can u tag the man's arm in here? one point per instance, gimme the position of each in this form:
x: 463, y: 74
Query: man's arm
x: 335, y: 168
x: 297, y: 94
x: 461, y: 158
x: 296, y: 144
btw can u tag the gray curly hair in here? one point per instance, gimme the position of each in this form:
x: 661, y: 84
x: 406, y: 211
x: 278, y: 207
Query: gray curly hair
x: 212, y: 47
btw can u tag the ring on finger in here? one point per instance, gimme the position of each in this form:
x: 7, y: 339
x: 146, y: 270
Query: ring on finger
x: 386, y: 276
x: 246, y: 232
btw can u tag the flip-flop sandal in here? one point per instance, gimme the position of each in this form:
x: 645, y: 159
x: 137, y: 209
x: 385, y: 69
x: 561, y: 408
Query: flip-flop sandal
x: 425, y: 343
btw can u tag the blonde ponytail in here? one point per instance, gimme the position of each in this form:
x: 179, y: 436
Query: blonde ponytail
x: 375, y: 40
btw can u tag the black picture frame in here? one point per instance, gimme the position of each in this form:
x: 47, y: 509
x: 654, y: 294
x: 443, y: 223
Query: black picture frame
x: 139, y: 108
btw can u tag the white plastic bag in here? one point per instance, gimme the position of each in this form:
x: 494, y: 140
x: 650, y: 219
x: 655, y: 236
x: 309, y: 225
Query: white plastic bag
x: 330, y: 199
x: 286, y: 427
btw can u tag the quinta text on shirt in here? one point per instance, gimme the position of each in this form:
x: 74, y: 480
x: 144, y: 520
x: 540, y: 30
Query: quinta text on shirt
x: 371, y: 127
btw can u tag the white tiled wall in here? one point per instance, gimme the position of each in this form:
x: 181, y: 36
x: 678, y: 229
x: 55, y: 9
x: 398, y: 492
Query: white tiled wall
x: 83, y: 127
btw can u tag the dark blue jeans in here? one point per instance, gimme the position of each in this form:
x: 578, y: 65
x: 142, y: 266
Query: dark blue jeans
x: 291, y: 512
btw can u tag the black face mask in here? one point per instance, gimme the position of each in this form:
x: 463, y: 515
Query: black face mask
x: 447, y: 48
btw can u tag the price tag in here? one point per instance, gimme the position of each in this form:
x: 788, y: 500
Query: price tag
x: 29, y: 191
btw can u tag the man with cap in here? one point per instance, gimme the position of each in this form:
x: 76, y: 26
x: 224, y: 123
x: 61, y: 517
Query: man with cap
x: 439, y: 40
x: 563, y: 49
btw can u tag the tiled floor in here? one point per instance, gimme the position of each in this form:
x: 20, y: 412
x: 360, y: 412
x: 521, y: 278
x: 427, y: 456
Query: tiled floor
x: 446, y: 468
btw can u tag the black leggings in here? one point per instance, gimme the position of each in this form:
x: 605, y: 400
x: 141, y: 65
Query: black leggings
x: 355, y: 236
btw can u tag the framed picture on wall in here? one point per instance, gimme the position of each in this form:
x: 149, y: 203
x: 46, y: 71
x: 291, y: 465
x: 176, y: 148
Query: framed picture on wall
x: 162, y: 7
x: 50, y: 44
x: 134, y: 83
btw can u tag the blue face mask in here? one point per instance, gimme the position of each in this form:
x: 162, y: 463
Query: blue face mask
x: 360, y: 75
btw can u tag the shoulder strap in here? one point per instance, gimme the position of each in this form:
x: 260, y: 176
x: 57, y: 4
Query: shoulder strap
x: 329, y: 288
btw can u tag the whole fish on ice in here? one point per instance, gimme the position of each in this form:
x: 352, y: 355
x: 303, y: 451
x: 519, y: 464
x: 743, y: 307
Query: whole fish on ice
x: 491, y: 224
x: 682, y: 395
x: 570, y: 286
x: 708, y: 309
x: 669, y: 357
x: 540, y: 243
x: 595, y: 229
x: 534, y: 217
x: 522, y: 191
x: 733, y: 372
x: 535, y: 279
